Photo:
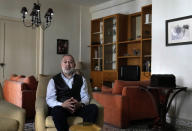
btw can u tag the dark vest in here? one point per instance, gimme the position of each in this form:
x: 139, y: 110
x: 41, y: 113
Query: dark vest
x: 63, y: 92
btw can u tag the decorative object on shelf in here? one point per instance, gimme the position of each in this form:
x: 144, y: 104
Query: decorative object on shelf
x: 101, y: 32
x: 62, y: 46
x: 36, y: 16
x: 138, y: 37
x: 147, y: 66
x: 148, y: 19
x: 178, y: 31
x: 136, y: 52
x: 97, y: 68
x: 114, y: 30
x: 78, y: 67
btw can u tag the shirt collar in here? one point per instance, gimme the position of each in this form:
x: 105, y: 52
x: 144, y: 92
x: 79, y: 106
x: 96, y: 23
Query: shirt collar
x: 63, y: 76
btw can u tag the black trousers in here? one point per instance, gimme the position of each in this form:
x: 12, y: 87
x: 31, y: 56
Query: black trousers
x: 88, y: 113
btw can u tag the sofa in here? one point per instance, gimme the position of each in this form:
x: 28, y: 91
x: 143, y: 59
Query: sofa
x: 126, y: 102
x: 21, y: 91
x: 44, y: 122
x: 12, y: 118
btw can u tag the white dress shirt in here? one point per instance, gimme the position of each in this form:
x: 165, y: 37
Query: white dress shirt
x: 51, y: 92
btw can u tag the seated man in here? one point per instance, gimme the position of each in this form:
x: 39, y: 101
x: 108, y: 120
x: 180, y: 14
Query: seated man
x: 67, y: 95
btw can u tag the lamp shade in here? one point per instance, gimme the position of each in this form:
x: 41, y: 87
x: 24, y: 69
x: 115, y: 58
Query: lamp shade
x: 79, y: 65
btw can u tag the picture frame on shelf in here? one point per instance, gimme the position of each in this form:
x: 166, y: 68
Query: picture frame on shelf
x: 179, y: 31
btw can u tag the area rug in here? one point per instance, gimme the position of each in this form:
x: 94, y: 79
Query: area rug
x: 107, y: 127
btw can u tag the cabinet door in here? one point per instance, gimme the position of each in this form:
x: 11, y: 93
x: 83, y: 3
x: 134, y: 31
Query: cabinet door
x: 96, y: 77
x: 110, y: 39
x: 96, y: 58
x: 96, y: 44
x: 146, y: 41
x: 110, y: 57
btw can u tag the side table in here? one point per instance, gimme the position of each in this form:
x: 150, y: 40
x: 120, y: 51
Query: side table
x: 164, y: 100
x: 85, y: 127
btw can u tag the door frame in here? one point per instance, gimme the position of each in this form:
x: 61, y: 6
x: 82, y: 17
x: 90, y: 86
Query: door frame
x: 39, y: 45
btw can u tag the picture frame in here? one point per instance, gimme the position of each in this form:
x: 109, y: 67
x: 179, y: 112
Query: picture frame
x: 179, y: 31
x: 62, y: 46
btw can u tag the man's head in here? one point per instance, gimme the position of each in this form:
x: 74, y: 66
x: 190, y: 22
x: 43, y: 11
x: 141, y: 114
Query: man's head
x: 68, y: 64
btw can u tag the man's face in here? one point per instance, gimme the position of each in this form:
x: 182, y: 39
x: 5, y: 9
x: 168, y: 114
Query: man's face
x: 67, y: 65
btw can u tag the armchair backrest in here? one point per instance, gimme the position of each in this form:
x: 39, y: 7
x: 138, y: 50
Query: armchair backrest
x: 43, y: 82
x: 89, y: 88
x: 119, y: 84
x: 30, y: 81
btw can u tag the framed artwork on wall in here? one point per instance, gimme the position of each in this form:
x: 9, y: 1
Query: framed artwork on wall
x: 62, y: 46
x: 179, y: 31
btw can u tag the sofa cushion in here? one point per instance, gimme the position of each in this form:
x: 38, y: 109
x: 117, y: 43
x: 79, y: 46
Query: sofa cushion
x: 7, y: 124
x: 71, y: 121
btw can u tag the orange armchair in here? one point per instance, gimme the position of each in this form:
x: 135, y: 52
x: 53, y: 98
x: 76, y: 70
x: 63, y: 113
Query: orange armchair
x: 126, y: 102
x: 21, y: 91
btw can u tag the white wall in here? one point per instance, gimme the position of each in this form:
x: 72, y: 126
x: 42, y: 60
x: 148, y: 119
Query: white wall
x: 66, y: 24
x: 118, y: 6
x: 173, y: 59
x: 85, y: 37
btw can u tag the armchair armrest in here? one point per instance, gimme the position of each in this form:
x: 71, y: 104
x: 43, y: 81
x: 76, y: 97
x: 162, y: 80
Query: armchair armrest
x: 139, y: 96
x: 8, y: 110
x: 115, y: 108
x: 41, y: 109
x: 100, y: 119
x: 13, y: 92
x: 28, y: 102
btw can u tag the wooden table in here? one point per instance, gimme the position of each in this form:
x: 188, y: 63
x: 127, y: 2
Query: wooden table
x: 85, y: 127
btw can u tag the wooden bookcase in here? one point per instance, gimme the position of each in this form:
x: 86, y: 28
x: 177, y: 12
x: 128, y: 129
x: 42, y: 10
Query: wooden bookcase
x: 119, y: 40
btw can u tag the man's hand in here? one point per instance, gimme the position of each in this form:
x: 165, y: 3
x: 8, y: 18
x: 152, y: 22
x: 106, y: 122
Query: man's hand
x: 69, y: 104
x: 76, y: 103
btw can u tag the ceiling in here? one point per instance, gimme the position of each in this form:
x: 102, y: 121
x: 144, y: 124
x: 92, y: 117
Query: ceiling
x: 82, y: 2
